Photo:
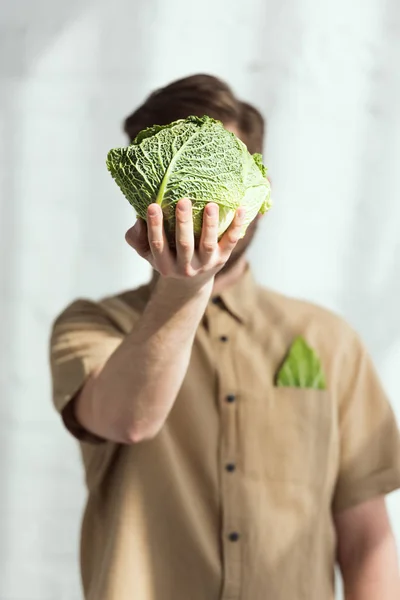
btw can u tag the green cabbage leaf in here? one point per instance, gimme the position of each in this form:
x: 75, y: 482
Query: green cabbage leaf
x: 195, y: 158
x: 302, y: 368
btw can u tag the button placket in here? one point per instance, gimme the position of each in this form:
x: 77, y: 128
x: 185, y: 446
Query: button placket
x: 224, y: 335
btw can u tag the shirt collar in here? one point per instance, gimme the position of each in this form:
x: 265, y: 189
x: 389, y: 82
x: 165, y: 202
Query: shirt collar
x: 240, y: 298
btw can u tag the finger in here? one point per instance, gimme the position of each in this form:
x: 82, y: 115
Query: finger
x: 209, y: 232
x: 136, y: 237
x: 233, y: 233
x: 184, y: 233
x: 157, y: 239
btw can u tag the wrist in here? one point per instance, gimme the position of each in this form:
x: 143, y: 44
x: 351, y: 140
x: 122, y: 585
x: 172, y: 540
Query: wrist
x: 185, y: 288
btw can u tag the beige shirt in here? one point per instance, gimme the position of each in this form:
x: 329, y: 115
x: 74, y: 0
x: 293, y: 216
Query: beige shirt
x: 233, y: 500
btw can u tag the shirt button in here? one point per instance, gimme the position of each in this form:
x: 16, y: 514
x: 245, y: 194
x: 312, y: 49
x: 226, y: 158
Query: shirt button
x: 230, y: 398
x: 223, y: 338
x: 233, y: 537
x: 230, y: 467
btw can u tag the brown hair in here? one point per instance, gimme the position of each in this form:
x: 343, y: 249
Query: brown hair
x: 198, y: 95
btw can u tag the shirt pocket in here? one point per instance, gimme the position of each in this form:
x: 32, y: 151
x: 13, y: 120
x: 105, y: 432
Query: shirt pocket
x: 287, y: 435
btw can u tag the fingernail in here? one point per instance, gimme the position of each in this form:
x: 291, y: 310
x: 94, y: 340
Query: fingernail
x: 212, y: 210
x: 152, y: 210
x: 184, y: 204
x: 241, y: 213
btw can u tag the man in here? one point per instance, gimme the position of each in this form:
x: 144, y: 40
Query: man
x: 207, y: 481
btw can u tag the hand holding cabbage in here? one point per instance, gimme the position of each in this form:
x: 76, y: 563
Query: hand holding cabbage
x: 195, y: 158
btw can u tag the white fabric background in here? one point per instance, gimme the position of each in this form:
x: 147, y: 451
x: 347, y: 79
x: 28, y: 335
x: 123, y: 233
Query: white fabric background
x: 326, y: 75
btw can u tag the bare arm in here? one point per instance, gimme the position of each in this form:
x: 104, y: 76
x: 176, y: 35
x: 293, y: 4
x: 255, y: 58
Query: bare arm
x: 129, y: 399
x: 367, y: 552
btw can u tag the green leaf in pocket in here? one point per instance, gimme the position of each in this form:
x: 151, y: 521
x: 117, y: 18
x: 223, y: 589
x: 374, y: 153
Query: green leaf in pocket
x: 301, y: 368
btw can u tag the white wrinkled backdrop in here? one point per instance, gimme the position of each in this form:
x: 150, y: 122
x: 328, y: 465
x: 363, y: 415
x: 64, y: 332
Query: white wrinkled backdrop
x: 325, y: 74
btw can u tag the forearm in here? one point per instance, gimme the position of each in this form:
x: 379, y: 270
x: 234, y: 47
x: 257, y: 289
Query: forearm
x: 373, y: 574
x: 134, y: 392
x: 129, y: 398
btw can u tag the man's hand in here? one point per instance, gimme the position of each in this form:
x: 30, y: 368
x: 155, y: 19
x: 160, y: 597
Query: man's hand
x: 191, y: 267
x: 366, y: 552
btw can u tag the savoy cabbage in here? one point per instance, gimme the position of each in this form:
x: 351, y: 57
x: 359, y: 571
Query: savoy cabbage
x: 194, y: 158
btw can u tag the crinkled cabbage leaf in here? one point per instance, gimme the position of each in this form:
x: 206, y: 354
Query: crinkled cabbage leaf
x: 195, y: 158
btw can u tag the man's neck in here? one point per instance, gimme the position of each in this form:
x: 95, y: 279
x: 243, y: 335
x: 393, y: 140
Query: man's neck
x: 226, y: 279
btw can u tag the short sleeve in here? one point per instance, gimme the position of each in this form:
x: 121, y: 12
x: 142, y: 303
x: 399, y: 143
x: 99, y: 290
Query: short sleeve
x: 369, y: 434
x: 82, y: 340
